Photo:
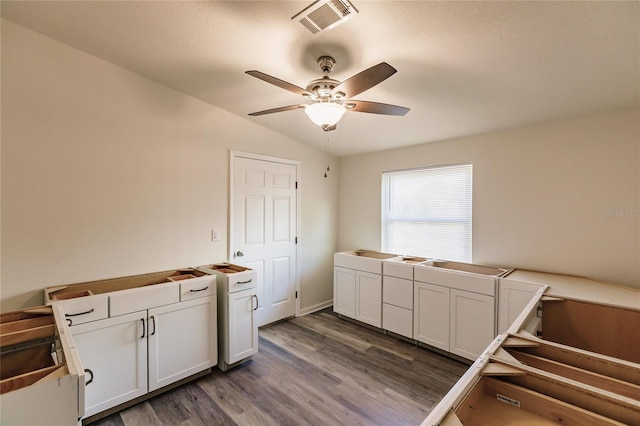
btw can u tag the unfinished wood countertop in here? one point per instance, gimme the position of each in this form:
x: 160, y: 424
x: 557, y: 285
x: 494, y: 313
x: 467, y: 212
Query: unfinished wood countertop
x: 580, y: 288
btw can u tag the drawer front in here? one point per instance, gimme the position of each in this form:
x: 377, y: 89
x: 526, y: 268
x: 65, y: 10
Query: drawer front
x: 397, y: 291
x: 138, y: 299
x: 397, y: 269
x: 454, y: 279
x: 241, y: 281
x: 397, y: 320
x: 198, y: 287
x: 85, y: 309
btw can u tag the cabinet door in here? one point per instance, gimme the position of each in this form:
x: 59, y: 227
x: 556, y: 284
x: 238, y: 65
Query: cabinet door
x: 182, y: 340
x: 369, y: 298
x: 431, y: 315
x: 472, y: 323
x: 242, y: 329
x: 115, y: 352
x: 344, y: 291
x: 514, y: 296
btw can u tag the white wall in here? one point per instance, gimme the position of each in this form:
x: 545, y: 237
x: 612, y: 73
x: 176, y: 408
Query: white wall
x: 106, y: 173
x: 543, y: 198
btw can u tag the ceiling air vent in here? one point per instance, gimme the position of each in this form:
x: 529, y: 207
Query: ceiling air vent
x: 323, y: 15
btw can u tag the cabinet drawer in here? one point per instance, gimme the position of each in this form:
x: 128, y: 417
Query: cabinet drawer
x: 85, y: 309
x: 397, y: 291
x: 397, y: 320
x: 198, y: 287
x: 398, y: 269
x: 139, y: 299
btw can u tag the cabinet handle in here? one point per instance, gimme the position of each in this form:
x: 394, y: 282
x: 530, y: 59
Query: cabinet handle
x: 200, y: 289
x: 144, y: 331
x: 153, y: 319
x: 239, y: 253
x: 80, y: 313
x: 257, y: 302
x: 86, y: 370
x: 244, y: 282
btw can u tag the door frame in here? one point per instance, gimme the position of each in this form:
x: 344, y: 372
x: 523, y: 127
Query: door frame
x: 233, y: 154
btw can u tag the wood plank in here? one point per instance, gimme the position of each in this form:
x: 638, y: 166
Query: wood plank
x: 22, y: 336
x: 497, y: 369
x: 594, y: 327
x: 26, y: 379
x: 518, y: 342
x: 601, y: 381
x: 24, y: 324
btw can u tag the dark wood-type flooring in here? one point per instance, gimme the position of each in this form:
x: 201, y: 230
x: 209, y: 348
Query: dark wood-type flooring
x: 313, y: 370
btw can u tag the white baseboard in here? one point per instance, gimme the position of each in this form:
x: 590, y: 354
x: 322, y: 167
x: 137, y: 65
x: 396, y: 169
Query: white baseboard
x: 316, y: 307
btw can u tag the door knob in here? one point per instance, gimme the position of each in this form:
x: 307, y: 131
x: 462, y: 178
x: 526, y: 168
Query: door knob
x: 239, y: 253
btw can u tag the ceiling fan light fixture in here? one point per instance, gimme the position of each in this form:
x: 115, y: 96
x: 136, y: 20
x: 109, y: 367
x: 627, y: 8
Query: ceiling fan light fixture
x: 325, y: 114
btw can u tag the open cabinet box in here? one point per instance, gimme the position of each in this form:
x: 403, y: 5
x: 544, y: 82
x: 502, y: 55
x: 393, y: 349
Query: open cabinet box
x: 39, y: 365
x: 563, y: 361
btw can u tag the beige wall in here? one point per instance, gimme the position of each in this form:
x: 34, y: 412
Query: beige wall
x: 559, y: 197
x: 106, y: 173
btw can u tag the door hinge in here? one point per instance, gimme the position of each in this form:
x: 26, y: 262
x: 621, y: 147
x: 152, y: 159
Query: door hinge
x: 296, y: 294
x: 296, y: 240
x: 296, y: 185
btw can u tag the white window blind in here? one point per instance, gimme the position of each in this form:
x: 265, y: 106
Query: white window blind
x: 427, y: 212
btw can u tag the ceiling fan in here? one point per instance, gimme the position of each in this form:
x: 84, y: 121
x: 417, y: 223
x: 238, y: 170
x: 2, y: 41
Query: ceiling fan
x: 332, y: 98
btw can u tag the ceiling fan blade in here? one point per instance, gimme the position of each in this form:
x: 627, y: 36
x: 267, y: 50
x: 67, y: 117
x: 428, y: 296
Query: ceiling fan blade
x: 280, y: 109
x: 364, y: 80
x: 282, y: 84
x: 375, y: 108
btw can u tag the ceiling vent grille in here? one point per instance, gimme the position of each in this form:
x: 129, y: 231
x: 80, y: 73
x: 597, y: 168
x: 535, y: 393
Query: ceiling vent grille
x: 324, y: 15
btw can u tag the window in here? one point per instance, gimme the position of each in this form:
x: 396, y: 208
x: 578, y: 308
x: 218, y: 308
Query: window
x: 427, y: 212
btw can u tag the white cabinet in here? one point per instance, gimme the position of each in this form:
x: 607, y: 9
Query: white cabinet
x: 344, y: 291
x: 242, y: 333
x: 358, y: 295
x: 114, y: 352
x: 369, y: 298
x: 456, y: 321
x: 514, y: 296
x: 397, y: 305
x: 431, y: 315
x: 181, y: 341
x: 471, y: 322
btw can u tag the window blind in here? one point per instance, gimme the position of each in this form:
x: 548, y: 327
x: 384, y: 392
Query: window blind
x: 427, y: 212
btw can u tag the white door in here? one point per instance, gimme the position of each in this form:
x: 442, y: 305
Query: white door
x: 344, y: 291
x: 472, y: 321
x: 182, y: 340
x: 369, y: 298
x: 243, y: 334
x: 431, y: 315
x: 115, y: 352
x: 263, y: 231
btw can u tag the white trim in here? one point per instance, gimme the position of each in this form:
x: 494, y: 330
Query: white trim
x: 315, y: 308
x: 233, y: 154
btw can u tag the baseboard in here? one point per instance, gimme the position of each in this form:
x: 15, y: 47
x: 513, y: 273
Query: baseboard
x: 316, y: 307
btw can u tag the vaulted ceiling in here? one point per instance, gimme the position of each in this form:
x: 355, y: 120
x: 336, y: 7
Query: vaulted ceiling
x: 463, y: 67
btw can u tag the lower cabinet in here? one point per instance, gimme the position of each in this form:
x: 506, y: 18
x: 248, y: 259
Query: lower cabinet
x: 114, y: 352
x: 358, y: 295
x: 514, y: 296
x: 181, y: 340
x: 455, y: 321
x: 242, y: 333
x: 130, y: 355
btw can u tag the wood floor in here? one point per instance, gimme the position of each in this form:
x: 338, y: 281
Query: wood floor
x: 312, y: 370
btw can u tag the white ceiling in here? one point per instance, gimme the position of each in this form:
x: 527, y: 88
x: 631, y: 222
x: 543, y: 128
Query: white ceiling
x: 463, y: 67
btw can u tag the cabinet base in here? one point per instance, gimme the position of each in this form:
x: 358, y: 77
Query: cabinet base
x: 222, y: 365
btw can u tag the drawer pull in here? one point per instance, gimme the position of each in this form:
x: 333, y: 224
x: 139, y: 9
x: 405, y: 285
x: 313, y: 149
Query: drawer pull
x: 200, y: 289
x: 80, y: 313
x: 153, y: 319
x: 244, y: 282
x: 69, y: 322
x: 144, y: 331
x: 86, y: 370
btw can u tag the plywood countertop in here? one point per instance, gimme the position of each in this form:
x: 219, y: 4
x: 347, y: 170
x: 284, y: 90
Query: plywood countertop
x: 581, y: 288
